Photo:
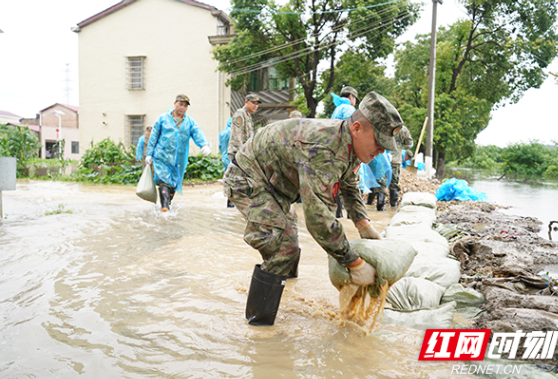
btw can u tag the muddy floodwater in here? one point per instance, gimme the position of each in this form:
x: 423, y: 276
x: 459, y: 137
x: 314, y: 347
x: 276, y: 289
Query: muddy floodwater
x: 109, y: 287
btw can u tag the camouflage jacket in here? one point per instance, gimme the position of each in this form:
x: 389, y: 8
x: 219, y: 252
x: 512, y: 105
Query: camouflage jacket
x: 313, y: 158
x: 404, y: 141
x: 242, y: 128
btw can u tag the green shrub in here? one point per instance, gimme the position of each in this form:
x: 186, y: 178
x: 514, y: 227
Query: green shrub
x: 204, y: 168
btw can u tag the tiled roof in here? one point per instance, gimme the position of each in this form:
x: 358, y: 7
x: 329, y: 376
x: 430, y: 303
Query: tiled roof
x: 73, y: 108
x: 123, y: 3
x: 9, y: 114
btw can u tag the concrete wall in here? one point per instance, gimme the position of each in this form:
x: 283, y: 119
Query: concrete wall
x: 172, y: 36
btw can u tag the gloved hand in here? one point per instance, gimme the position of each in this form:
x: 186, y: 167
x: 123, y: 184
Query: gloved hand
x: 364, y: 274
x: 368, y: 232
x: 205, y: 150
x: 148, y: 160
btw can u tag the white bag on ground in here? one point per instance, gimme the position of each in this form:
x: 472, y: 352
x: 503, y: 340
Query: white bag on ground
x: 431, y: 250
x: 442, y: 271
x: 146, y: 188
x: 464, y: 297
x: 423, y: 199
x: 425, y: 219
x: 414, y: 293
x: 414, y: 233
x: 438, y: 318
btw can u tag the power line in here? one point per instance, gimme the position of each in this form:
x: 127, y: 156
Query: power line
x: 305, y: 52
x: 288, y: 44
x: 240, y: 10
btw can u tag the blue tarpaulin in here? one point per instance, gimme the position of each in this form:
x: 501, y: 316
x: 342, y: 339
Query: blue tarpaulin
x: 457, y: 189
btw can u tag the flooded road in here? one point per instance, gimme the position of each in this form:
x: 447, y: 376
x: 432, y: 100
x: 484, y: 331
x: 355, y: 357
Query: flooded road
x: 116, y: 289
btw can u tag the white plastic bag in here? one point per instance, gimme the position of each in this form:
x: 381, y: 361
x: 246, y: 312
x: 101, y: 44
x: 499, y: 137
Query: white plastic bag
x: 146, y: 186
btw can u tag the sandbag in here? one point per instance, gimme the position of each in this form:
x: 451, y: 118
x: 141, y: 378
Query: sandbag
x: 414, y: 293
x: 442, y: 271
x: 414, y: 233
x: 390, y: 258
x: 437, y: 318
x: 423, y: 199
x: 146, y: 186
x: 463, y: 297
x: 413, y: 218
x: 416, y: 208
x: 430, y: 250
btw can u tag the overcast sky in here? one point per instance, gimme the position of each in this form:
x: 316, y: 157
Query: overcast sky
x: 39, y: 65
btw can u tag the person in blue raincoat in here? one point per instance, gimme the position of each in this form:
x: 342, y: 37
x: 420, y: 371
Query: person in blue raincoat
x: 375, y: 179
x: 140, y: 148
x: 345, y: 104
x: 344, y: 108
x: 169, y: 146
x: 224, y: 137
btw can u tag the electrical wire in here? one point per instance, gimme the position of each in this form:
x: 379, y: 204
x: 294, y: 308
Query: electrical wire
x: 288, y: 44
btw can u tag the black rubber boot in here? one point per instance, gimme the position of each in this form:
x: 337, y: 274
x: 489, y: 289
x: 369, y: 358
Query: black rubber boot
x: 164, y: 195
x: 381, y: 200
x: 264, y: 297
x: 293, y: 273
x: 171, y: 196
x: 230, y: 204
x: 370, y: 199
x: 339, y: 212
x: 393, y: 196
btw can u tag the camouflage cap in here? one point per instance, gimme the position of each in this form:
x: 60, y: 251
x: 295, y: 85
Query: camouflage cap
x: 384, y: 117
x: 349, y: 91
x: 252, y: 97
x: 183, y: 98
x: 295, y: 114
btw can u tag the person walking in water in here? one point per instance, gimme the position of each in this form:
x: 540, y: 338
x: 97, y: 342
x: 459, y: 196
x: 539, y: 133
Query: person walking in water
x: 314, y: 159
x: 169, y: 146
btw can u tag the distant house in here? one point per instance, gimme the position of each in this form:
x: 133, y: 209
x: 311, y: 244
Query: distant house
x: 7, y: 117
x: 136, y: 56
x: 51, y: 118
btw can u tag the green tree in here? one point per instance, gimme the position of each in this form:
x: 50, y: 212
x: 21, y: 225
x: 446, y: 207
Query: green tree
x: 298, y: 36
x: 21, y: 144
x: 527, y: 160
x: 358, y: 70
x: 483, y: 62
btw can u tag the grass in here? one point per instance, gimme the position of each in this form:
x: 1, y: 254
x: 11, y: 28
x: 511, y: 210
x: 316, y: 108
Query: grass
x: 61, y: 208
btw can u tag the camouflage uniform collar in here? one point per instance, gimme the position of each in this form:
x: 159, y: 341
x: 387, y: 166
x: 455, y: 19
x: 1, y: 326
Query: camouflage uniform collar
x: 346, y: 139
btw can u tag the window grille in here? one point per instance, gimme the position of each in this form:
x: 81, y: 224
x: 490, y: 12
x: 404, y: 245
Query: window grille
x: 136, y: 73
x: 136, y: 128
x: 75, y: 147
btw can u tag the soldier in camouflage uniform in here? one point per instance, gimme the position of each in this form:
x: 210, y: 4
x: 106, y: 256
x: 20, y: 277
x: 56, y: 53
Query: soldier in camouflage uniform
x: 404, y: 140
x: 242, y: 127
x: 315, y: 158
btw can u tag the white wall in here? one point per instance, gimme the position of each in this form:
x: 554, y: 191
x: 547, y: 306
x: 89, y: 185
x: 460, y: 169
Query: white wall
x: 173, y: 38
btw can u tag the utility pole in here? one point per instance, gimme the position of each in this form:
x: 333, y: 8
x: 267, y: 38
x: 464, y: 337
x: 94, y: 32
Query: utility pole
x: 431, y: 90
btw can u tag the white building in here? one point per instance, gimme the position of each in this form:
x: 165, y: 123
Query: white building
x: 136, y: 56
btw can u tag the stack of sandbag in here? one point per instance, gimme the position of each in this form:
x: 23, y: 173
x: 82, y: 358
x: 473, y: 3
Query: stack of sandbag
x: 419, y: 299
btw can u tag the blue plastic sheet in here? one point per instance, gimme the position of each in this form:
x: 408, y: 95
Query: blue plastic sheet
x: 457, y: 189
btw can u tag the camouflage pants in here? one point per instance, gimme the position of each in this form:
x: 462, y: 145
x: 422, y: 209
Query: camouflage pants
x: 383, y: 185
x: 396, y: 169
x: 271, y: 223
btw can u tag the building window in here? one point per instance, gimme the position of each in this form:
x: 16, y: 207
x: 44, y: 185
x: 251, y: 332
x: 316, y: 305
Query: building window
x: 223, y: 28
x: 268, y: 79
x: 136, y: 128
x: 136, y: 73
x: 75, y: 147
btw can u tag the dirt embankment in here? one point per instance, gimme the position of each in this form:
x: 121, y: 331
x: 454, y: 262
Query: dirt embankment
x: 502, y: 257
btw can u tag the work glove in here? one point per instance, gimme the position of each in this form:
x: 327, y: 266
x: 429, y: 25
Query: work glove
x: 368, y: 232
x: 148, y: 160
x: 363, y: 274
x: 205, y: 150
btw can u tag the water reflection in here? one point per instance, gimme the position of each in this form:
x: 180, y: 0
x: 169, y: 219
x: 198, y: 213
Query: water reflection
x: 118, y: 290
